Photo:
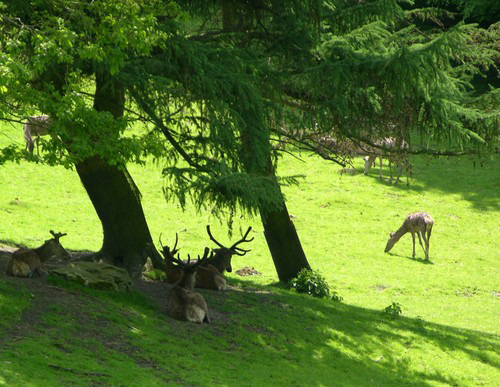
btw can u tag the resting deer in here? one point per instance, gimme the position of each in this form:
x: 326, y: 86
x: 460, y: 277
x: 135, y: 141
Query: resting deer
x: 182, y: 303
x: 222, y: 258
x: 210, y: 273
x: 207, y: 277
x: 420, y: 223
x: 29, y: 262
x: 373, y: 153
x: 36, y: 126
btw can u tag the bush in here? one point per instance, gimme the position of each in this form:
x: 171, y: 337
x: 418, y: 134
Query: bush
x: 394, y: 310
x: 310, y: 282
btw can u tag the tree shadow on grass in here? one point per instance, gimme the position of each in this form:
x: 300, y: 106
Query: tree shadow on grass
x: 478, y: 184
x: 259, y: 335
x: 358, y: 346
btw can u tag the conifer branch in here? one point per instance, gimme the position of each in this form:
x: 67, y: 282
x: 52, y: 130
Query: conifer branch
x: 165, y: 130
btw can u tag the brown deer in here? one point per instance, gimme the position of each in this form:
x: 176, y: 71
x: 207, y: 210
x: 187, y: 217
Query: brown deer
x: 35, y: 127
x: 373, y: 153
x: 420, y: 223
x: 29, y: 262
x: 210, y: 273
x: 222, y: 258
x: 182, y: 303
x: 207, y: 277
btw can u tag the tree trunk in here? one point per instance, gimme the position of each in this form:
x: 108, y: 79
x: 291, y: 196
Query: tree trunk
x: 284, y: 243
x: 282, y: 238
x: 127, y: 241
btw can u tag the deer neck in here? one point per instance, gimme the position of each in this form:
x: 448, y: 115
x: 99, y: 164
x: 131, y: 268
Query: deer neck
x: 399, y: 233
x: 219, y: 259
x: 186, y: 281
x: 44, y: 252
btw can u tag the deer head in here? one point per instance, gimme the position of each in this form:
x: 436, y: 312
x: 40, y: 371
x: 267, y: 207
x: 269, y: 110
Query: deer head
x: 184, y: 271
x: 52, y: 248
x: 222, y: 258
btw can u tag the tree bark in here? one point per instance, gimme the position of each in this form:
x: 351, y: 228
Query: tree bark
x: 284, y: 243
x: 127, y: 241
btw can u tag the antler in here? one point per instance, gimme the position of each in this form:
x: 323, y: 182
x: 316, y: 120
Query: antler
x: 170, y: 254
x: 57, y: 235
x: 212, y: 237
x: 239, y: 250
x: 167, y: 253
x: 234, y: 249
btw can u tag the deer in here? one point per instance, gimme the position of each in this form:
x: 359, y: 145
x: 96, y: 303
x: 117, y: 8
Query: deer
x: 373, y: 153
x: 36, y: 126
x: 211, y: 272
x: 182, y: 303
x: 419, y: 223
x: 207, y: 277
x: 29, y: 262
x: 222, y: 258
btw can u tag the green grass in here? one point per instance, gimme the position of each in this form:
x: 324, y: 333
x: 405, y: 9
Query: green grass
x: 447, y: 335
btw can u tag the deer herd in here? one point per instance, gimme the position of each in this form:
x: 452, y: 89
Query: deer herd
x: 206, y: 272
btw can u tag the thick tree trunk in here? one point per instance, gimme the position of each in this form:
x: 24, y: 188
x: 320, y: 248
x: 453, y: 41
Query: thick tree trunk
x: 126, y: 234
x: 127, y: 241
x: 284, y: 244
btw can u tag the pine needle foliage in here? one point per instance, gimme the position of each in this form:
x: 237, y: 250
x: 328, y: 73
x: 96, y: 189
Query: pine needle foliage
x: 217, y: 81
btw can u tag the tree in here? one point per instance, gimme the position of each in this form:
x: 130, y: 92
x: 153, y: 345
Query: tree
x: 52, y: 54
x: 219, y: 81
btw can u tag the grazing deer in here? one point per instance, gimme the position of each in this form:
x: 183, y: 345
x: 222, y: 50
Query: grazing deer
x: 420, y: 223
x: 36, y: 126
x: 29, y: 262
x: 207, y: 277
x: 373, y: 153
x: 182, y: 303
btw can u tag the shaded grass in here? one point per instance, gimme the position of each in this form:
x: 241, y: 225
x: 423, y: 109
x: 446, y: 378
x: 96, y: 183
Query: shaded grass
x: 262, y: 334
x: 109, y: 337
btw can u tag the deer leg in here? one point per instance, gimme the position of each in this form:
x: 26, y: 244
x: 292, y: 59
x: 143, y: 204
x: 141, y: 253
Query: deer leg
x: 420, y: 240
x: 413, y: 237
x: 37, y: 146
x: 400, y: 170
x: 426, y: 239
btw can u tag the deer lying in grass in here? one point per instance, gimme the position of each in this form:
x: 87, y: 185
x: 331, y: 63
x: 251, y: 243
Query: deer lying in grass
x: 29, y: 262
x: 420, y: 223
x: 35, y: 127
x: 182, y: 303
x: 222, y: 258
x: 207, y: 277
x: 373, y: 153
x: 210, y: 272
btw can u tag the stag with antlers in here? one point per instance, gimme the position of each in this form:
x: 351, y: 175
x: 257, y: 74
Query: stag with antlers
x: 29, y: 262
x: 182, y: 303
x: 222, y: 257
x: 210, y: 272
x: 207, y: 276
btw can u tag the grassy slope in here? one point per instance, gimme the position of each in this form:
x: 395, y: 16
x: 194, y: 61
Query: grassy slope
x: 448, y: 335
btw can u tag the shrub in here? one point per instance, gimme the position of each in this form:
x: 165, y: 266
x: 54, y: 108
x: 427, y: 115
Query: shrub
x: 336, y: 297
x: 310, y: 282
x: 394, y: 310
